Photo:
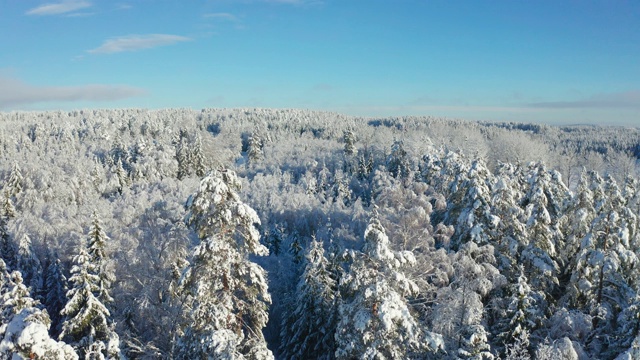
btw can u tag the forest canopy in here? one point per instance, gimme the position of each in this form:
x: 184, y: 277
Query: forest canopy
x: 294, y: 234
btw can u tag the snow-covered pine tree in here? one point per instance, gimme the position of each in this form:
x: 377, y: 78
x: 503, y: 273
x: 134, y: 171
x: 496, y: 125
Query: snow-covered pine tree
x: 365, y: 165
x: 459, y: 307
x: 197, y: 157
x: 539, y: 255
x: 628, y: 330
x: 598, y: 276
x: 8, y: 210
x: 97, y: 243
x: 15, y: 182
x: 254, y: 150
x: 55, y: 292
x: 522, y: 316
x: 24, y: 325
x: 475, y: 221
x: 87, y: 323
x: 29, y: 265
x: 510, y: 232
x: 455, y: 169
x: 182, y: 153
x: 122, y: 177
x: 519, y: 349
x: 8, y: 249
x: 475, y: 345
x: 349, y: 139
x: 376, y: 321
x: 228, y: 292
x: 575, y: 224
x: 308, y: 331
x: 398, y: 162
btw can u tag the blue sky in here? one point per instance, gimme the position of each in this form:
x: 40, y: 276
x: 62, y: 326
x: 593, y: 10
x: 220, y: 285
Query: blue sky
x: 557, y: 62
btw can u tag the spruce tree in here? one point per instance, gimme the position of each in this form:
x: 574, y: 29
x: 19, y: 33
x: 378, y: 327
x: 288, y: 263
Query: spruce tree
x: 97, y: 243
x: 254, y: 151
x: 88, y: 324
x: 376, y: 321
x: 475, y: 345
x: 476, y: 222
x: 24, y: 324
x: 398, y: 162
x: 8, y: 249
x: 522, y: 317
x: 576, y: 224
x: 308, y: 331
x: 510, y: 232
x: 8, y: 210
x: 228, y: 293
x: 197, y: 157
x: 15, y: 183
x: 29, y: 265
x: 55, y: 290
x: 349, y: 143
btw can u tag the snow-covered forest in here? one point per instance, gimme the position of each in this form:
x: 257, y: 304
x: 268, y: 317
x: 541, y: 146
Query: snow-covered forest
x: 290, y: 234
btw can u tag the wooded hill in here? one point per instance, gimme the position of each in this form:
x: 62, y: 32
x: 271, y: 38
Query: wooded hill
x: 252, y: 233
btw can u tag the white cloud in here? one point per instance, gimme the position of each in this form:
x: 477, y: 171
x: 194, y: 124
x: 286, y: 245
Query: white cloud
x: 137, y: 42
x: 14, y: 92
x: 59, y: 8
x: 224, y: 16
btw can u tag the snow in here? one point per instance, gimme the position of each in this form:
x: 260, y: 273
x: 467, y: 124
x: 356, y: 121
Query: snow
x: 24, y: 335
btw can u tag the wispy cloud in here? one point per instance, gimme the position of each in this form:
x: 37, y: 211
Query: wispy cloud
x: 137, y: 42
x: 15, y: 92
x: 58, y: 8
x: 222, y: 16
x: 628, y: 99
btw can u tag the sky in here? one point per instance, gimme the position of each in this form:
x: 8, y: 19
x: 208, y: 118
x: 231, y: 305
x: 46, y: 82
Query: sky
x: 554, y: 62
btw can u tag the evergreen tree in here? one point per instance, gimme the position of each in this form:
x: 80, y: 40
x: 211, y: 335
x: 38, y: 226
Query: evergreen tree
x: 275, y: 238
x: 375, y: 319
x: 16, y: 180
x: 540, y: 253
x: 122, y: 176
x: 576, y: 224
x: 349, y: 143
x: 87, y: 324
x: 254, y: 151
x: 475, y: 345
x: 523, y: 317
x: 598, y: 278
x: 197, y: 157
x: 8, y: 210
x: 24, y: 325
x: 308, y: 331
x: 228, y: 293
x: 97, y: 243
x: 628, y: 331
x: 475, y: 222
x: 398, y: 161
x: 518, y: 350
x: 29, y: 265
x: 183, y: 155
x: 459, y: 307
x: 510, y: 232
x: 8, y: 249
x: 55, y: 290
